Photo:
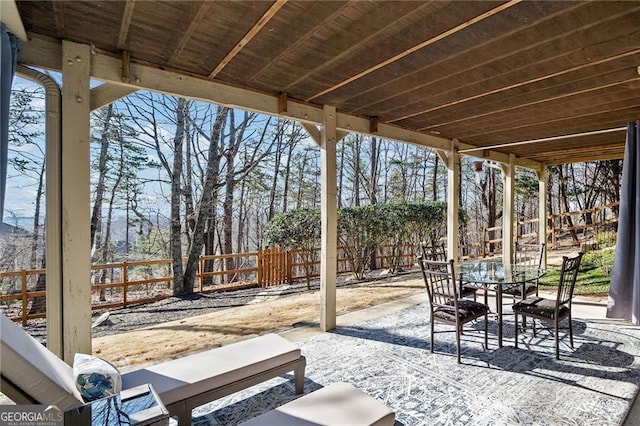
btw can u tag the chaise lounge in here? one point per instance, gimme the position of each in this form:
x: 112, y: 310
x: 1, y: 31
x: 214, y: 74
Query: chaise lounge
x: 31, y: 374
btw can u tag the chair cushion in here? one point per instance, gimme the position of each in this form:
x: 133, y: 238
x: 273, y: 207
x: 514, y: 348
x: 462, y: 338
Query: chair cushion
x: 336, y: 404
x: 467, y: 310
x: 191, y: 375
x: 34, y: 369
x: 529, y: 288
x: 539, y: 307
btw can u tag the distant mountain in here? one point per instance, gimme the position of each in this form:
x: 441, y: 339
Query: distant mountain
x: 13, y: 230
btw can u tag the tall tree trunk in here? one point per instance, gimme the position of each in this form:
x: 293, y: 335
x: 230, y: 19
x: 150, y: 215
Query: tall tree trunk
x: 488, y: 186
x: 341, y: 175
x: 287, y: 174
x: 107, y: 233
x: 38, y: 304
x: 96, y: 214
x: 241, y: 218
x: 374, y: 159
x: 188, y: 186
x: 227, y: 203
x: 180, y: 284
x: 565, y: 203
x: 434, y: 183
x: 373, y: 189
x: 301, y: 173
x: 276, y: 170
x: 205, y: 206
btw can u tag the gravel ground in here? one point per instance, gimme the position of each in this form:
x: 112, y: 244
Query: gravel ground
x: 122, y: 320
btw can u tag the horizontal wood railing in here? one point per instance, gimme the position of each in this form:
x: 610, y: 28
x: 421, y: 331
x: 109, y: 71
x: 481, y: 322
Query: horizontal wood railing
x: 587, y: 224
x: 122, y: 284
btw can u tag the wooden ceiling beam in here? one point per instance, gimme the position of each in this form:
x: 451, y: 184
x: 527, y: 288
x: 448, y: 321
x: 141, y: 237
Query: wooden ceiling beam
x: 127, y: 14
x: 502, y: 49
x: 533, y: 141
x: 517, y: 85
x: 293, y: 47
x: 417, y: 47
x: 571, y: 156
x: 58, y: 16
x: 46, y: 53
x: 562, y: 122
x: 528, y: 104
x: 199, y: 17
x: 107, y: 93
x: 345, y: 54
x: 270, y: 13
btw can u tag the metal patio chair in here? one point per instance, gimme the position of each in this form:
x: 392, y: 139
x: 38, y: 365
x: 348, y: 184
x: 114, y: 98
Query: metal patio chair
x: 552, y: 311
x: 445, y: 304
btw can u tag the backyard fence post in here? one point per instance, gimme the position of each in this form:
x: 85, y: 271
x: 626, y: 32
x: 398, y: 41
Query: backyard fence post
x: 25, y: 300
x: 201, y: 273
x: 259, y: 278
x: 125, y: 283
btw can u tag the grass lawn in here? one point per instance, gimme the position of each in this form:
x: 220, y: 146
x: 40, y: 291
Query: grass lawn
x: 594, y: 276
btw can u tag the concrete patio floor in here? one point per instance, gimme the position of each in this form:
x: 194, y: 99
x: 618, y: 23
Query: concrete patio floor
x: 583, y: 308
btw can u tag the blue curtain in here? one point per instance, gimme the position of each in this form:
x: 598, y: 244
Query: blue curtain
x: 624, y: 292
x: 9, y: 46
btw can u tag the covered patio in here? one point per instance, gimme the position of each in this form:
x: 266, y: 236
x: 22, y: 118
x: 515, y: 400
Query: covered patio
x: 384, y: 351
x: 519, y: 84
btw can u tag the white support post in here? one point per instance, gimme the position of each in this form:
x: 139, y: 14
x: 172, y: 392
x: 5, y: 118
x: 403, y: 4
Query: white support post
x: 453, y: 184
x: 329, y: 216
x: 543, y: 177
x: 75, y: 198
x: 509, y: 176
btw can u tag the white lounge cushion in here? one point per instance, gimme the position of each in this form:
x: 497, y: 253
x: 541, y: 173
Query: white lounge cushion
x: 339, y: 404
x: 213, y: 368
x: 40, y: 374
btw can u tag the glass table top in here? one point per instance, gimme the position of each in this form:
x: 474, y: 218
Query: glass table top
x: 496, y: 273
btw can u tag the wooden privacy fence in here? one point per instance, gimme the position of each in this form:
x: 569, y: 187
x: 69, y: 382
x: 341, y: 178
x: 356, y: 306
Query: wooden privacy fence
x: 274, y: 267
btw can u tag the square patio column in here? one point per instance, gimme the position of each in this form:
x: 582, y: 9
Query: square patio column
x: 75, y: 252
x: 453, y: 185
x: 509, y: 180
x: 329, y: 220
x: 543, y: 177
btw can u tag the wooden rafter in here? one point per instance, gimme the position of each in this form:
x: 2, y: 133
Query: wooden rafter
x: 532, y: 141
x: 58, y: 14
x: 563, y: 119
x: 200, y: 16
x: 292, y: 48
x: 127, y: 13
x: 538, y: 102
x: 275, y: 7
x: 518, y: 84
x: 347, y: 52
x: 426, y: 69
x: 417, y: 47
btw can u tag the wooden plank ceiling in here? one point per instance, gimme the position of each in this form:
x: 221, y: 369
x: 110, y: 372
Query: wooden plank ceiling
x: 489, y: 73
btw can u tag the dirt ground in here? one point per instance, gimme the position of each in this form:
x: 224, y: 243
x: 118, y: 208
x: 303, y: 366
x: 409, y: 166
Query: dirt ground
x: 173, y: 339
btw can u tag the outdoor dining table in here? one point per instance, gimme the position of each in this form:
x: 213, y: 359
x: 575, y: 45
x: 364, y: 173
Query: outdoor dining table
x: 497, y: 276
